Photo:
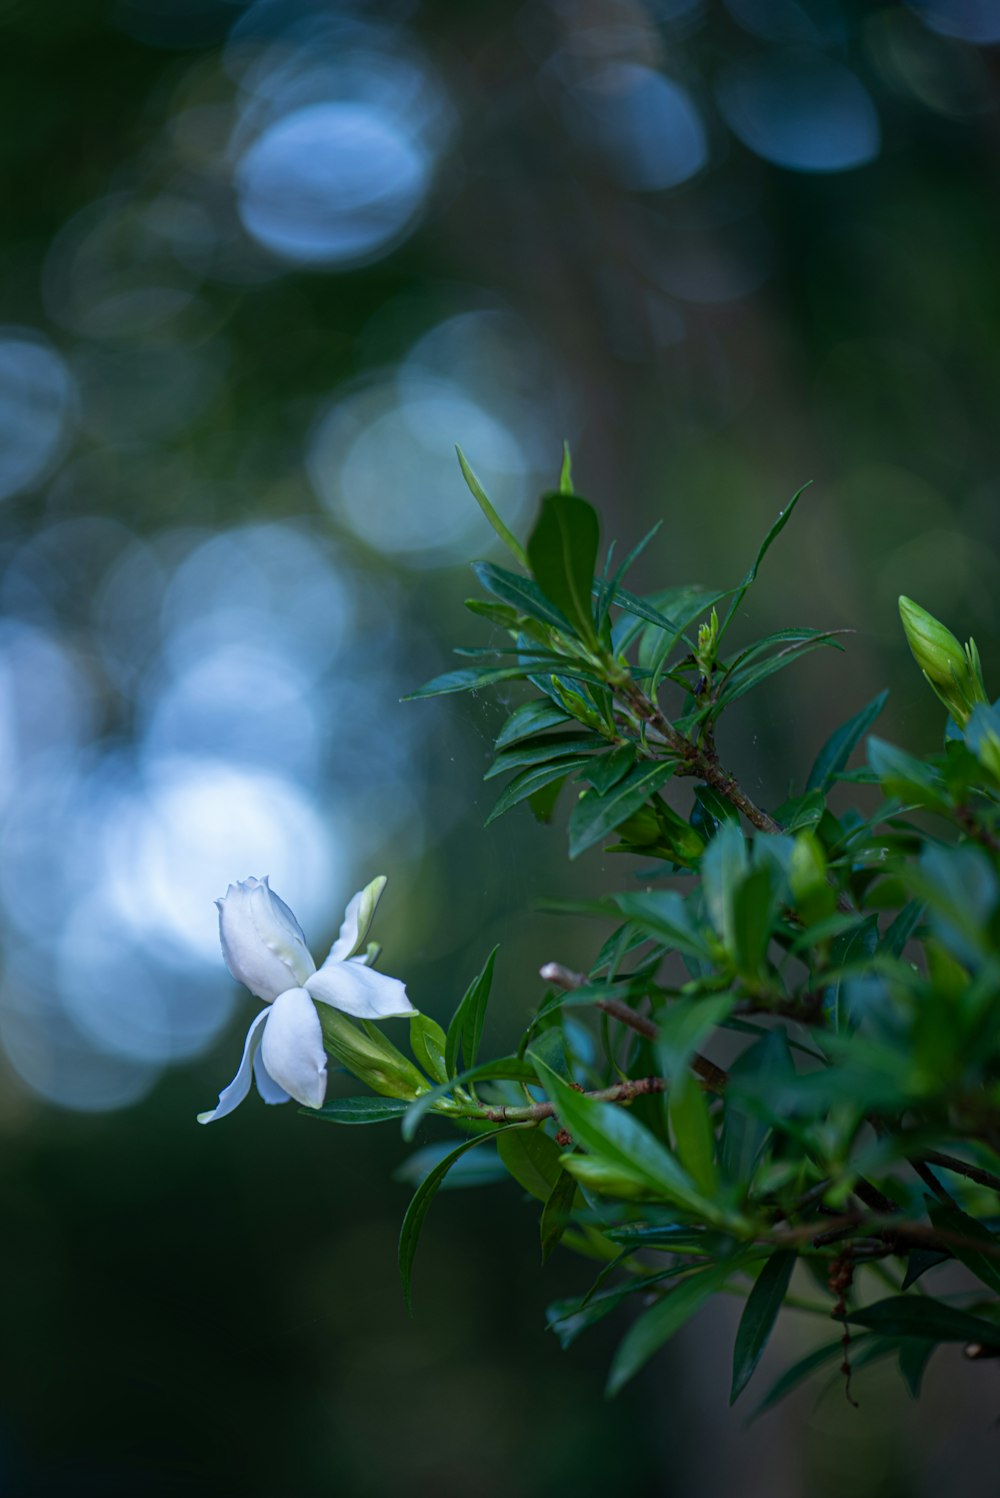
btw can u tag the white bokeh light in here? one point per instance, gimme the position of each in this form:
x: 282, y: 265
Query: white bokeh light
x: 37, y: 398
x: 337, y: 184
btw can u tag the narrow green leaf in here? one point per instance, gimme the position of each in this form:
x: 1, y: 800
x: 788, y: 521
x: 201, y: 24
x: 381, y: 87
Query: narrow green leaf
x: 562, y: 553
x: 609, y: 1132
x: 902, y: 928
x: 482, y: 500
x: 759, y: 1315
x: 659, y: 1324
x: 913, y: 1359
x: 755, y: 910
x: 685, y: 1025
x: 358, y: 1110
x: 748, y: 677
x: 539, y: 751
x: 466, y: 1028
x: 970, y: 1242
x: 839, y: 747
x: 919, y: 1260
x: 556, y: 1212
x: 663, y: 915
x: 484, y: 1168
x: 920, y: 1316
x: 565, y: 472
x: 798, y: 1373
x: 532, y: 1158
x: 694, y: 1133
x: 608, y: 769
x: 524, y: 594
x: 723, y: 869
x: 766, y: 544
x: 416, y: 1212
x: 528, y: 719
x: 530, y: 781
x: 427, y: 1042
x: 903, y: 775
x: 469, y: 679
x: 594, y: 817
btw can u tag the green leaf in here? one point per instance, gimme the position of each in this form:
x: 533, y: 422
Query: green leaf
x: 759, y: 1315
x: 540, y: 751
x: 839, y: 747
x: 530, y: 781
x: 525, y: 595
x: 913, y: 1359
x: 798, y: 1373
x: 747, y: 677
x: 755, y: 909
x: 608, y: 769
x: 685, y: 1024
x: 723, y: 869
x: 609, y: 1132
x: 527, y: 720
x: 562, y: 554
x: 694, y: 1133
x: 566, y: 471
x: 482, y: 500
x: 469, y: 679
x: 970, y: 1242
x: 658, y: 1325
x: 466, y: 1028
x: 766, y: 544
x: 594, y: 817
x: 902, y: 928
x: 920, y: 1316
x: 904, y: 776
x: 765, y: 1065
x: 556, y: 1212
x: 484, y: 1168
x: 358, y: 1110
x: 919, y: 1261
x: 427, y: 1042
x: 663, y: 915
x: 416, y: 1212
x: 532, y: 1158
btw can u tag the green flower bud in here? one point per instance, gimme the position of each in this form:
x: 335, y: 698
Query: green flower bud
x: 365, y: 1052
x: 813, y: 895
x: 953, y: 671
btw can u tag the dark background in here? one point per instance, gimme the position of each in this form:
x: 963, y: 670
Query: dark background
x: 262, y: 265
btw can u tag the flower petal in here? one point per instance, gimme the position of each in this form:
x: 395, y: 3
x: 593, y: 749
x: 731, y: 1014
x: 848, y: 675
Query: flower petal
x: 357, y: 918
x: 359, y: 990
x: 292, y: 1048
x: 230, y: 1097
x: 266, y: 1085
x: 262, y: 942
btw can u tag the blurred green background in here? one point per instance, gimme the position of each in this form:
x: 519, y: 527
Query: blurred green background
x: 262, y: 265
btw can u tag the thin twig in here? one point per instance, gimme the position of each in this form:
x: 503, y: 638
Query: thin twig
x: 564, y: 977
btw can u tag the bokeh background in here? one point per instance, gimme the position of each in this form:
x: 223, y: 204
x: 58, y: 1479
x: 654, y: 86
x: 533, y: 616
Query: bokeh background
x: 262, y: 265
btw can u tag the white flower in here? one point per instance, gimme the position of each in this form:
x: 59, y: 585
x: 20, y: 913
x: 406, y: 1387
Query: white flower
x: 264, y: 947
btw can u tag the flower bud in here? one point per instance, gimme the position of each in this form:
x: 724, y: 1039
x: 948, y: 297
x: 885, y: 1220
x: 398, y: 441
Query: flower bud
x: 262, y: 942
x: 366, y: 1054
x: 952, y: 670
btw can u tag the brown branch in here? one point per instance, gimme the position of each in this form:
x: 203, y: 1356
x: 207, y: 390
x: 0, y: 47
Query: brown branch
x: 621, y: 1092
x: 713, y: 1076
x: 962, y: 1168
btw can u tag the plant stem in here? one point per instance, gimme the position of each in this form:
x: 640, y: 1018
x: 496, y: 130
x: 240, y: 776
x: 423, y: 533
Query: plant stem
x: 700, y: 761
x: 621, y: 1092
